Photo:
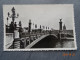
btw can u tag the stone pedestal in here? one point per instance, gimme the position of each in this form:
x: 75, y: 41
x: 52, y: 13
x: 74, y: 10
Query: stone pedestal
x: 16, y: 34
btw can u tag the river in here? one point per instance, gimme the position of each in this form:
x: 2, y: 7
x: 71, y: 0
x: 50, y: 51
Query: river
x: 65, y: 44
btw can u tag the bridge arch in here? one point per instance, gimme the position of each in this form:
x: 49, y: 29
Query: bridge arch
x: 49, y: 41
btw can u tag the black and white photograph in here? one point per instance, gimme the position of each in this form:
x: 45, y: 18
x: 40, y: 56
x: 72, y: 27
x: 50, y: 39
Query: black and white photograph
x: 39, y: 27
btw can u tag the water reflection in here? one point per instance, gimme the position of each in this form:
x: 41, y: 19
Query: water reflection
x: 65, y: 44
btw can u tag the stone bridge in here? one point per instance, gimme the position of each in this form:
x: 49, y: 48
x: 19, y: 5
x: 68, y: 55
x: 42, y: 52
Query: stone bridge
x: 45, y: 41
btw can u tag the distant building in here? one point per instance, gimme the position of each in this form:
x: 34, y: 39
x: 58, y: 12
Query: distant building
x: 64, y: 27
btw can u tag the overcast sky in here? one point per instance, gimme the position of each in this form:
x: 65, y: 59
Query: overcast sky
x: 43, y: 14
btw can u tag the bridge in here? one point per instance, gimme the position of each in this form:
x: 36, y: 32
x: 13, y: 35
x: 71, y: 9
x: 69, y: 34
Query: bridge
x: 39, y: 40
x: 43, y: 39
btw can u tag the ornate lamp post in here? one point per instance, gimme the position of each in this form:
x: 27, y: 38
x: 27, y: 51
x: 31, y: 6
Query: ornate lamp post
x: 7, y: 28
x: 29, y: 26
x: 29, y: 30
x: 43, y: 29
x: 7, y: 21
x: 14, y: 15
x: 40, y: 28
x: 33, y: 25
x: 20, y: 29
x: 36, y: 30
x: 20, y: 24
x: 46, y: 29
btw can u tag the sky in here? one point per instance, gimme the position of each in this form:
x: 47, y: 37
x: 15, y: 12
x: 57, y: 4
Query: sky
x: 42, y: 14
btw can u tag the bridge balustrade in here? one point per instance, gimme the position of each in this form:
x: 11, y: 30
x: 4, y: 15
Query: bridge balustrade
x: 26, y: 40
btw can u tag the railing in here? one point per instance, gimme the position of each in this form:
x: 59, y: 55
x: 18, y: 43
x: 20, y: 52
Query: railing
x: 26, y: 40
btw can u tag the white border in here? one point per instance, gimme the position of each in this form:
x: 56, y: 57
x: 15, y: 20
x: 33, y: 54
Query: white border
x: 42, y: 49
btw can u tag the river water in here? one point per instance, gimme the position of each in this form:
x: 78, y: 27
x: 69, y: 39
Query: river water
x: 65, y: 44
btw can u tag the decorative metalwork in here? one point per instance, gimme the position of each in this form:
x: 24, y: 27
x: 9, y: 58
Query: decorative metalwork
x: 14, y: 15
